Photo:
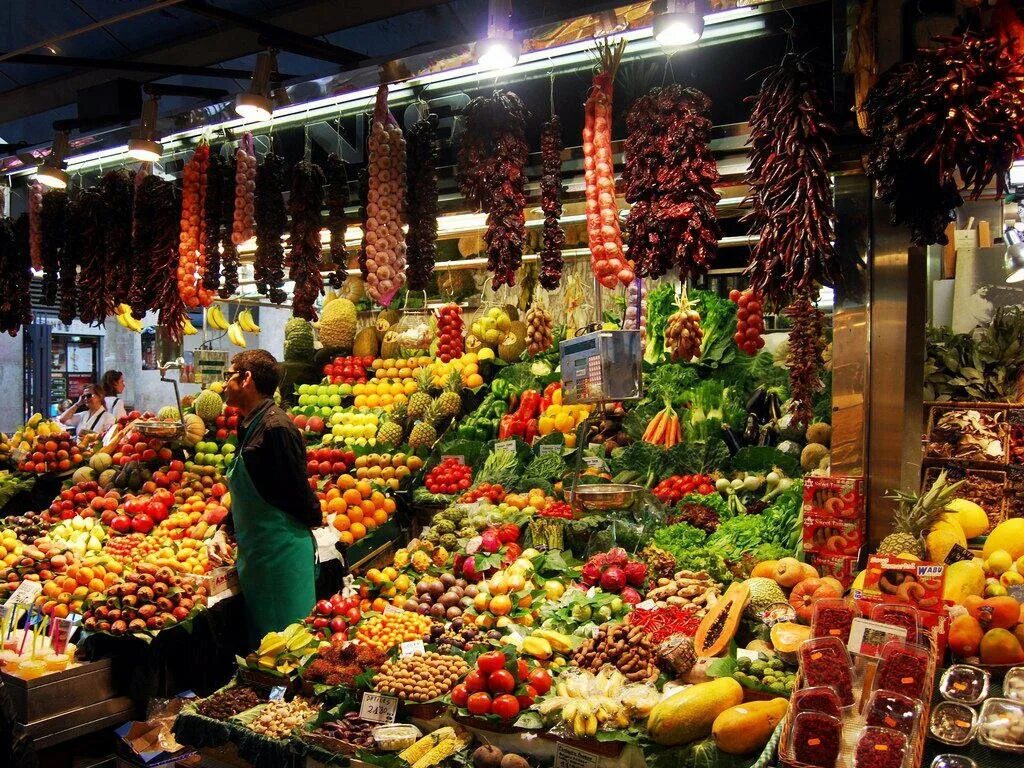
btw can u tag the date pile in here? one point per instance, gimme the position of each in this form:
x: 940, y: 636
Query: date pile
x: 790, y: 187
x: 420, y: 677
x: 628, y: 649
x: 350, y: 729
x: 670, y: 178
x: 230, y: 702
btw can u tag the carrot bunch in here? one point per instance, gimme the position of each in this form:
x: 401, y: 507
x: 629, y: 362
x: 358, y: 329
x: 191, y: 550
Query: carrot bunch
x: 664, y: 429
x: 192, y: 240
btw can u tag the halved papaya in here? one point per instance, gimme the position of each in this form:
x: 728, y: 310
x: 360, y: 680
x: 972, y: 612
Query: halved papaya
x: 719, y: 625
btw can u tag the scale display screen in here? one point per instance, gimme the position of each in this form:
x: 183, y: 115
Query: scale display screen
x: 601, y: 366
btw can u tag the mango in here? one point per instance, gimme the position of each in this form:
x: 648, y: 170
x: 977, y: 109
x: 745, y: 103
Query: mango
x: 971, y: 516
x: 963, y: 579
x: 746, y: 728
x: 689, y: 714
x: 999, y: 646
x: 1008, y: 535
x: 996, y: 612
x: 965, y: 635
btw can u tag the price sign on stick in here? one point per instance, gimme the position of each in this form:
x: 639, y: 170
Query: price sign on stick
x: 506, y: 446
x: 544, y: 450
x: 412, y: 648
x: 25, y: 594
x: 570, y: 757
x: 378, y: 709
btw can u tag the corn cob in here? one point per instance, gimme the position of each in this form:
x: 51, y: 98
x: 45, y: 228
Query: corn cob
x: 417, y: 750
x: 444, y: 749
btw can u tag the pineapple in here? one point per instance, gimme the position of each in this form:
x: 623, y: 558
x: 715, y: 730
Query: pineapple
x: 392, y: 431
x: 914, y: 516
x: 420, y: 400
x: 423, y: 433
x: 449, y: 402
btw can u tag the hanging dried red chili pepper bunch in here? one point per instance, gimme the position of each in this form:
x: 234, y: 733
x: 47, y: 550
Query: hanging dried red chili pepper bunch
x: 304, y: 205
x: 384, y: 239
x: 35, y: 223
x: 491, y: 173
x: 670, y: 178
x: 337, y: 198
x: 551, y: 262
x: 15, y: 275
x: 805, y: 359
x: 790, y: 189
x: 271, y: 224
x: 155, y: 244
x: 957, y: 107
x: 363, y: 184
x: 421, y: 202
x: 53, y: 222
x: 118, y: 190
x: 228, y: 266
x: 86, y: 240
x: 192, y: 242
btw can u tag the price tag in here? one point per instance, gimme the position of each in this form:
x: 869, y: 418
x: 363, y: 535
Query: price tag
x: 325, y: 539
x: 413, y: 648
x: 594, y: 462
x: 647, y: 605
x: 25, y: 594
x: 544, y: 450
x: 505, y: 446
x: 378, y: 709
x: 277, y: 693
x: 391, y: 609
x: 570, y: 757
x: 458, y: 459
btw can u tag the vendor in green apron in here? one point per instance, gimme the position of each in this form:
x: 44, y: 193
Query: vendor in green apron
x: 272, y: 506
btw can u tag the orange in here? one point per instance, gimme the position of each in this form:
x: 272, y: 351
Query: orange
x: 82, y: 591
x: 353, y: 496
x: 337, y: 505
x: 501, y: 605
x: 346, y: 481
x: 377, y: 498
x: 334, y: 493
x: 97, y: 585
x: 380, y: 516
x: 368, y: 507
x: 369, y: 523
x: 388, y: 505
x: 60, y: 611
x: 358, y: 530
x: 346, y: 537
x: 364, y: 488
x: 355, y: 514
x: 51, y: 589
x: 85, y: 575
x: 341, y: 522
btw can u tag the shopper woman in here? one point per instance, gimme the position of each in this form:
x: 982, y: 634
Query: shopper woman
x: 113, y: 388
x: 88, y: 414
x: 273, y: 508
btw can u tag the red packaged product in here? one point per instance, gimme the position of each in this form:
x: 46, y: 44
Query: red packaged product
x: 888, y: 709
x: 833, y: 618
x: 835, y: 497
x: 816, y: 739
x: 819, y: 698
x: 905, y: 616
x: 903, y: 669
x: 880, y: 748
x: 825, y: 661
x: 832, y: 537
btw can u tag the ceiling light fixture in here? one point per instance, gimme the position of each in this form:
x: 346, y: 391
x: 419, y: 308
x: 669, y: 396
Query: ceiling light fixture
x: 255, y: 104
x: 500, y: 49
x: 51, y: 173
x: 681, y: 23
x: 144, y: 146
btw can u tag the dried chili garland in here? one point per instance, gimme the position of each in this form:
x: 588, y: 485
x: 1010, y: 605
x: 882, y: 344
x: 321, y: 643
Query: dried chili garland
x: 805, y: 358
x: 53, y: 221
x: 213, y: 212
x: 363, y: 183
x: 86, y: 238
x: 957, y: 107
x: 551, y: 262
x: 228, y: 247
x: 790, y: 188
x: 669, y: 178
x: 491, y: 173
x: 271, y: 224
x: 421, y: 202
x: 304, y: 205
x: 15, y: 275
x: 337, y: 198
x: 118, y: 190
x: 155, y: 284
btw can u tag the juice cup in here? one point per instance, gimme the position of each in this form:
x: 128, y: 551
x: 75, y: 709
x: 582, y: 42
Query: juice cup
x: 30, y: 669
x: 56, y: 662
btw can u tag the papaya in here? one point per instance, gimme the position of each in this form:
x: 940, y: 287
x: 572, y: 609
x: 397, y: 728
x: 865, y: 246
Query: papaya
x: 689, y: 714
x: 787, y: 636
x: 746, y: 728
x: 1008, y: 535
x: 719, y: 625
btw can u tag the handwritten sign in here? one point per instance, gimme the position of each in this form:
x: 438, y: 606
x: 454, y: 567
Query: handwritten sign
x: 594, y: 462
x: 391, y: 609
x: 505, y: 446
x: 544, y: 450
x: 413, y: 648
x: 25, y: 594
x: 375, y: 708
x: 570, y: 757
x: 277, y: 693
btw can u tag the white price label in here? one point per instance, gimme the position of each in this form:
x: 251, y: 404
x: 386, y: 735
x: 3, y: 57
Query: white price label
x: 413, y: 648
x: 378, y: 709
x: 647, y: 605
x: 458, y: 459
x: 570, y: 757
x: 277, y: 693
x: 594, y: 462
x: 25, y: 594
x: 391, y: 609
x: 506, y: 446
x: 544, y: 450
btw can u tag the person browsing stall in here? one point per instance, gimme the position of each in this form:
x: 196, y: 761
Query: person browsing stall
x: 113, y: 389
x: 88, y: 414
x: 273, y: 508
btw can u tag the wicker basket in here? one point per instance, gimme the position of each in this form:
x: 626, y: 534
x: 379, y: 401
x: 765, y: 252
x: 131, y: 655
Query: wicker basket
x: 930, y: 470
x: 935, y: 412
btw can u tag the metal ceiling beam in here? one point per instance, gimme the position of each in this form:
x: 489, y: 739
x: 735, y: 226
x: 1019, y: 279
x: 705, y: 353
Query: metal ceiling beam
x: 314, y: 17
x: 128, y: 65
x: 271, y: 35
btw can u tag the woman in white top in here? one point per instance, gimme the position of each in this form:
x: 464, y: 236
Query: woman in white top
x: 113, y: 386
x: 94, y: 418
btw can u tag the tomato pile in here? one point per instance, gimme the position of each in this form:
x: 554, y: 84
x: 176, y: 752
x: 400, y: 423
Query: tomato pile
x: 83, y: 500
x: 333, y: 616
x: 347, y: 370
x: 492, y: 493
x: 450, y: 476
x: 557, y: 509
x: 323, y: 462
x: 672, y: 489
x: 749, y: 320
x: 450, y: 344
x: 500, y: 685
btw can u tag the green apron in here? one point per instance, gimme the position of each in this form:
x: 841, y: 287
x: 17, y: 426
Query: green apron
x: 275, y: 555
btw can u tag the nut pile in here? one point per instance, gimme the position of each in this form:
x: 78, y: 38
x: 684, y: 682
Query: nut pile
x: 694, y: 589
x: 628, y: 649
x: 221, y: 706
x: 349, y: 729
x: 420, y: 677
x: 279, y: 718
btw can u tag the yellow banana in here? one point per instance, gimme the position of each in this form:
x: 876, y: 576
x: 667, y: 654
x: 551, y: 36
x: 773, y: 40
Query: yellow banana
x: 127, y: 319
x: 215, y: 318
x: 235, y: 335
x: 187, y: 328
x: 246, y: 322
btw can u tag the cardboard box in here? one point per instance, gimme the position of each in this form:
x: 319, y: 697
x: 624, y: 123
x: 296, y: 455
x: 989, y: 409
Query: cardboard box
x: 832, y: 537
x: 836, y: 497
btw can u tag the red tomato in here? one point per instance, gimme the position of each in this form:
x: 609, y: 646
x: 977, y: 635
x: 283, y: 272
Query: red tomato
x: 506, y: 706
x: 480, y: 703
x: 491, y: 661
x: 475, y: 681
x: 524, y: 671
x: 540, y: 681
x: 526, y: 699
x: 501, y: 682
x: 705, y: 489
x: 460, y: 695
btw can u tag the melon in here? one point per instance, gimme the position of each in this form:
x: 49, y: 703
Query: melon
x: 298, y: 339
x: 83, y: 475
x: 167, y: 413
x: 195, y: 428
x: 208, y: 405
x: 101, y: 461
x: 1008, y: 535
x: 367, y: 342
x: 107, y: 478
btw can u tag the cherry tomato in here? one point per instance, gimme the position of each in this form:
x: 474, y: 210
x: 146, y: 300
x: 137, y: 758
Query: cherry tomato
x: 540, y: 681
x: 526, y: 699
x: 475, y: 681
x: 460, y: 695
x: 501, y: 682
x: 523, y: 670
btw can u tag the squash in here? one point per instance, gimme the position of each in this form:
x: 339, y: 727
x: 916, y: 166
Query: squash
x: 83, y: 475
x: 195, y: 429
x: 786, y: 637
x: 746, y: 728
x: 689, y: 714
x: 789, y: 572
x: 765, y: 569
x: 809, y: 591
x: 101, y: 461
x: 719, y: 625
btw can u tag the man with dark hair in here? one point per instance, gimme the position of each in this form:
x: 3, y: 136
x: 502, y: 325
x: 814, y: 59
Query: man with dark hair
x: 272, y: 506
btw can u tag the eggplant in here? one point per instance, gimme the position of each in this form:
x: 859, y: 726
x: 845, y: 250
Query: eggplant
x: 769, y: 435
x: 752, y: 430
x: 731, y: 441
x: 757, y: 403
x: 774, y: 407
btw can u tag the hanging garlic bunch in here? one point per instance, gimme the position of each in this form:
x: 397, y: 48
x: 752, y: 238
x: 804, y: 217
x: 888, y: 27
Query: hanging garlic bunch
x: 635, y: 318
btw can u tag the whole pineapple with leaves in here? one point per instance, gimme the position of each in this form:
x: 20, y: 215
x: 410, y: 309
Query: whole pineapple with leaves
x: 914, y: 516
x: 423, y: 433
x: 420, y: 400
x: 392, y: 431
x: 449, y: 403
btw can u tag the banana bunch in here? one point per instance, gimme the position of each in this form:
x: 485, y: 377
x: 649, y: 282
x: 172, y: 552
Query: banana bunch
x: 215, y: 318
x: 246, y: 322
x: 187, y: 328
x: 126, y: 319
x: 585, y: 702
x: 544, y: 644
x: 235, y: 335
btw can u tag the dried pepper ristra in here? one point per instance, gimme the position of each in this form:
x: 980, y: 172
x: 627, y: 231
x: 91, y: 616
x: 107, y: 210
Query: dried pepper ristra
x: 219, y: 178
x: 954, y: 109
x: 118, y: 190
x: 192, y: 242
x: 155, y: 244
x: 15, y: 275
x: 305, y: 204
x: 86, y: 242
x: 805, y: 358
x: 53, y: 217
x: 421, y: 202
x: 790, y: 189
x: 491, y: 173
x: 271, y: 224
x: 228, y: 266
x: 670, y: 178
x: 551, y: 203
x: 337, y: 198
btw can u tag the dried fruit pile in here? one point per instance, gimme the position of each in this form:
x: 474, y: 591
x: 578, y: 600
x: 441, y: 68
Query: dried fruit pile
x: 790, y: 187
x: 628, y: 649
x: 551, y: 262
x: 492, y: 176
x: 304, y: 204
x: 420, y: 677
x: 421, y: 202
x: 271, y: 223
x: 805, y: 358
x: 670, y: 175
x: 384, y: 239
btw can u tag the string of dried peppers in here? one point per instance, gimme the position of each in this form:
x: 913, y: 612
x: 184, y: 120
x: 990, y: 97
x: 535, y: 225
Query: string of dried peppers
x: 155, y: 283
x: 337, y: 198
x: 15, y: 275
x: 421, y: 202
x: 305, y: 204
x: 551, y: 261
x: 271, y: 224
x: 805, y: 358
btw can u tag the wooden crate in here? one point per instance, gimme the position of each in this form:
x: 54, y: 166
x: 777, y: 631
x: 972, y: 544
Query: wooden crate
x: 70, y: 689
